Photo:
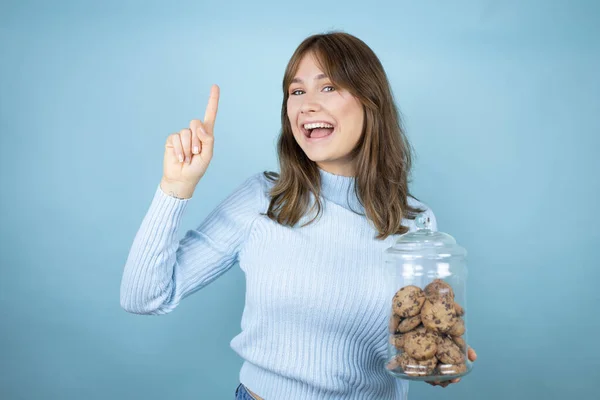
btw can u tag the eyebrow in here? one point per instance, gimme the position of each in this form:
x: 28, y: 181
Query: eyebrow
x: 298, y: 80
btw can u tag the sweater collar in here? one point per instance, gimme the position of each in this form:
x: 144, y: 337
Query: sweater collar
x: 339, y: 189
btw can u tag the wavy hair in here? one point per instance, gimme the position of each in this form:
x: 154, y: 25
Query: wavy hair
x: 382, y: 155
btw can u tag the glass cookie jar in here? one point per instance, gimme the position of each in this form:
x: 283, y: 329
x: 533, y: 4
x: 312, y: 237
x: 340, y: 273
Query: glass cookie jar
x: 427, y: 335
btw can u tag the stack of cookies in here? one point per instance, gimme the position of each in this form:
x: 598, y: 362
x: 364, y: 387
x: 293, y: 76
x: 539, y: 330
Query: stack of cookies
x: 426, y: 328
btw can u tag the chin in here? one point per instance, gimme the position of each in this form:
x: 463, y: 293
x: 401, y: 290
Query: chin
x: 316, y: 157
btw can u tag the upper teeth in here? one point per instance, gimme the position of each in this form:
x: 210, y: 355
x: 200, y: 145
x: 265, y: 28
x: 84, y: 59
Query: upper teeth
x: 317, y: 125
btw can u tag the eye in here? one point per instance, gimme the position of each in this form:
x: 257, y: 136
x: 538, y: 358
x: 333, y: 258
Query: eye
x: 329, y: 87
x: 295, y: 92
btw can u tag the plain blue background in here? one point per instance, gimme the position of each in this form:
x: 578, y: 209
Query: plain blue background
x: 500, y: 100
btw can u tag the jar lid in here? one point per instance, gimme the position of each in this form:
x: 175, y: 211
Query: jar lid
x: 427, y: 242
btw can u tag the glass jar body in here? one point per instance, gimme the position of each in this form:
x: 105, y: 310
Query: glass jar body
x: 427, y: 335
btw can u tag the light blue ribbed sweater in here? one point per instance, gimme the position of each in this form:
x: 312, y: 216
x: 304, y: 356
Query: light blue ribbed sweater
x: 315, y: 321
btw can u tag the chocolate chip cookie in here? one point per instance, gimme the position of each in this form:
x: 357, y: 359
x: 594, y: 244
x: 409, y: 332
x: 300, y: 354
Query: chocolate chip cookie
x: 410, y: 323
x: 414, y: 367
x: 397, y: 341
x: 458, y: 328
x: 460, y: 342
x: 438, y: 289
x: 438, y: 316
x: 449, y: 353
x: 420, y: 343
x: 407, y: 302
x: 394, y: 322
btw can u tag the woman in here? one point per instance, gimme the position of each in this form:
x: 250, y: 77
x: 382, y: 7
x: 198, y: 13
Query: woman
x: 310, y: 239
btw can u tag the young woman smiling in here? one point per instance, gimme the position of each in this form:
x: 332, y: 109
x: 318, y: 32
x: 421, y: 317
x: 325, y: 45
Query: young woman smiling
x: 310, y: 238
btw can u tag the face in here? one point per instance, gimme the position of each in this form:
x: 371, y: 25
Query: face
x: 327, y: 121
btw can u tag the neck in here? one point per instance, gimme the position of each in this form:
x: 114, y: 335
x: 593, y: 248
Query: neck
x: 339, y: 189
x: 346, y: 169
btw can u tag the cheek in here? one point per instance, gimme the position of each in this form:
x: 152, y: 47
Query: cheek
x: 291, y: 113
x: 358, y: 117
x: 360, y: 122
x: 354, y: 119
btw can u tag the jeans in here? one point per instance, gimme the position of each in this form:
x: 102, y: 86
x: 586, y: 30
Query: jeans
x: 242, y: 394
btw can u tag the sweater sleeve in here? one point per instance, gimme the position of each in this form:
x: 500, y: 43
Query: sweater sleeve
x: 160, y: 270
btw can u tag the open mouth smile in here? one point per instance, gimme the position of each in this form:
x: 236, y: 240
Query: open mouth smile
x: 317, y: 130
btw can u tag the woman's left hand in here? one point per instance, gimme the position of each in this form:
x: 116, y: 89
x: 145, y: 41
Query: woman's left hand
x: 472, y: 357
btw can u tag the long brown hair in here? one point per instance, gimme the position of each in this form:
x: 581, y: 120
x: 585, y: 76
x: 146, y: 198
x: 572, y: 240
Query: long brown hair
x: 382, y: 155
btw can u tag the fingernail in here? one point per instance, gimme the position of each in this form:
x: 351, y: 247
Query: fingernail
x: 181, y: 158
x: 195, y: 151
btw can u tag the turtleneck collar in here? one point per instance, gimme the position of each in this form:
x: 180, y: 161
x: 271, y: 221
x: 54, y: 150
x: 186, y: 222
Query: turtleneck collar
x: 339, y: 189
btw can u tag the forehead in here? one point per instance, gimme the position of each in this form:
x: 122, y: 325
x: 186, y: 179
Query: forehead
x: 308, y: 69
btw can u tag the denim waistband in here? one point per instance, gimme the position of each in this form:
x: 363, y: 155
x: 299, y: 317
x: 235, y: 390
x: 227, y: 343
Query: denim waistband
x: 241, y: 393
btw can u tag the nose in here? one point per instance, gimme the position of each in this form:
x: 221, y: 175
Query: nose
x: 310, y: 104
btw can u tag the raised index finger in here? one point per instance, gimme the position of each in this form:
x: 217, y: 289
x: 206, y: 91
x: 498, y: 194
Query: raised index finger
x: 211, y: 109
